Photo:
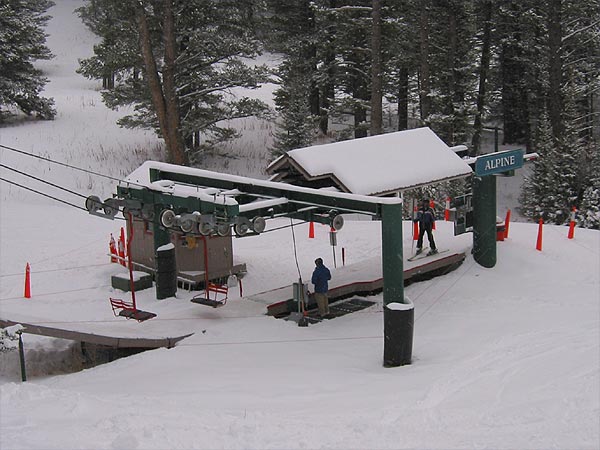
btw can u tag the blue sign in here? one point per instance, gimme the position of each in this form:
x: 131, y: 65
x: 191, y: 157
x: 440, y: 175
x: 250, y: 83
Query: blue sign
x: 499, y: 162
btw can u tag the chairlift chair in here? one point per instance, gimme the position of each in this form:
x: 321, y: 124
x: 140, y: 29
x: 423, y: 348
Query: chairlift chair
x: 218, y: 292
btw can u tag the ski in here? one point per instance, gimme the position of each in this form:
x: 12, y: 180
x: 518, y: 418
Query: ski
x: 426, y: 254
x: 415, y: 255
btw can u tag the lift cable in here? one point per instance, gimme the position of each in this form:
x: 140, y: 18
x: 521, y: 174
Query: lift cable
x: 42, y: 181
x: 43, y: 194
x: 70, y: 166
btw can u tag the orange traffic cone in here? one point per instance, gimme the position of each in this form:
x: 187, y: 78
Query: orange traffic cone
x: 415, y: 225
x: 538, y: 246
x: 122, y: 248
x: 572, y: 223
x: 447, y: 210
x: 27, y: 282
x: 506, y: 224
x: 311, y: 230
x: 113, y: 249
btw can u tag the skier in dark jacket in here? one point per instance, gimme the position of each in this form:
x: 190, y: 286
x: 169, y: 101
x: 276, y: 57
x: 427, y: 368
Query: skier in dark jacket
x: 320, y: 277
x: 426, y: 219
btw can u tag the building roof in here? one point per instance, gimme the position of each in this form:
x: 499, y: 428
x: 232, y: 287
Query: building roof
x: 375, y: 165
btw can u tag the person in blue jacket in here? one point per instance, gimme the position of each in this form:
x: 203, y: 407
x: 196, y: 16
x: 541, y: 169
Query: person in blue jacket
x: 426, y: 219
x: 321, y: 275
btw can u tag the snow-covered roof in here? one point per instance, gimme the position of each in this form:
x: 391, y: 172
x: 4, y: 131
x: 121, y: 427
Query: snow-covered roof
x: 379, y: 164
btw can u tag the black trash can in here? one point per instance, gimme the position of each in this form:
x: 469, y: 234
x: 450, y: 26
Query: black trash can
x: 398, y: 328
x: 166, y: 271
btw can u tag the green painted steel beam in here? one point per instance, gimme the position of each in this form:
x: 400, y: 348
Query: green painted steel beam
x: 293, y: 195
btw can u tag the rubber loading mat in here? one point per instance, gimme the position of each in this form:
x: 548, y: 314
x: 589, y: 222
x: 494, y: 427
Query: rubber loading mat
x: 340, y: 308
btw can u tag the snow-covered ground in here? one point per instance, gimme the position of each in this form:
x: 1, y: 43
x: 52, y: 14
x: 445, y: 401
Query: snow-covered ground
x: 503, y: 358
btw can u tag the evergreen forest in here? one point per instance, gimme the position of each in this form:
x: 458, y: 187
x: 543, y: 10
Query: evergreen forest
x: 348, y: 69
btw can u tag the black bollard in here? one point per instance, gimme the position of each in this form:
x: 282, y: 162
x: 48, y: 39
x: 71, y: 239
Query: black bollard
x: 166, y: 272
x: 398, y: 326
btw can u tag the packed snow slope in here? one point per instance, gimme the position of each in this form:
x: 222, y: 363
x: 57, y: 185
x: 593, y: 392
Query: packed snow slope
x: 503, y: 358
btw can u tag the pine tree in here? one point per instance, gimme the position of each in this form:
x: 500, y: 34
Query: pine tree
x: 352, y: 43
x: 589, y: 211
x: 178, y: 62
x: 23, y: 41
x: 522, y: 74
x: 400, y: 48
x: 297, y: 126
x: 552, y: 190
x: 294, y: 34
x: 572, y: 42
x: 485, y: 15
x: 446, y: 68
x: 537, y: 195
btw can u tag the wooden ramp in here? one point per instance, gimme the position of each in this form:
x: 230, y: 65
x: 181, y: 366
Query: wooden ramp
x: 348, y: 282
x: 98, y: 339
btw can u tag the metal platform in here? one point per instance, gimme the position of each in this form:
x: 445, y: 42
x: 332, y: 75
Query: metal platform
x: 109, y: 341
x: 280, y: 301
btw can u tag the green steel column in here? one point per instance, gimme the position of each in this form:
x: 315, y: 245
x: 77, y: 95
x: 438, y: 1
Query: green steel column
x: 398, y: 313
x: 161, y: 236
x: 22, y: 357
x: 484, y: 220
x: 391, y: 252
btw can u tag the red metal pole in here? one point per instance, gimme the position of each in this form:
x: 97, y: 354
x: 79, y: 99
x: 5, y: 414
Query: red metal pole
x: 130, y: 263
x: 205, y: 267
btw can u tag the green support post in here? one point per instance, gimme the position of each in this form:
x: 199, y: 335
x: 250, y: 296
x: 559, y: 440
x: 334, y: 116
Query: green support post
x: 22, y: 357
x: 392, y: 254
x: 398, y: 313
x: 484, y: 220
x: 161, y: 236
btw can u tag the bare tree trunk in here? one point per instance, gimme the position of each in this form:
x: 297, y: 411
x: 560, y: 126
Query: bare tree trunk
x: 376, y: 83
x: 451, y: 67
x: 403, y: 98
x: 555, y: 103
x: 152, y: 77
x: 163, y: 94
x: 424, y: 89
x: 328, y: 88
x: 483, y: 71
x: 177, y: 150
